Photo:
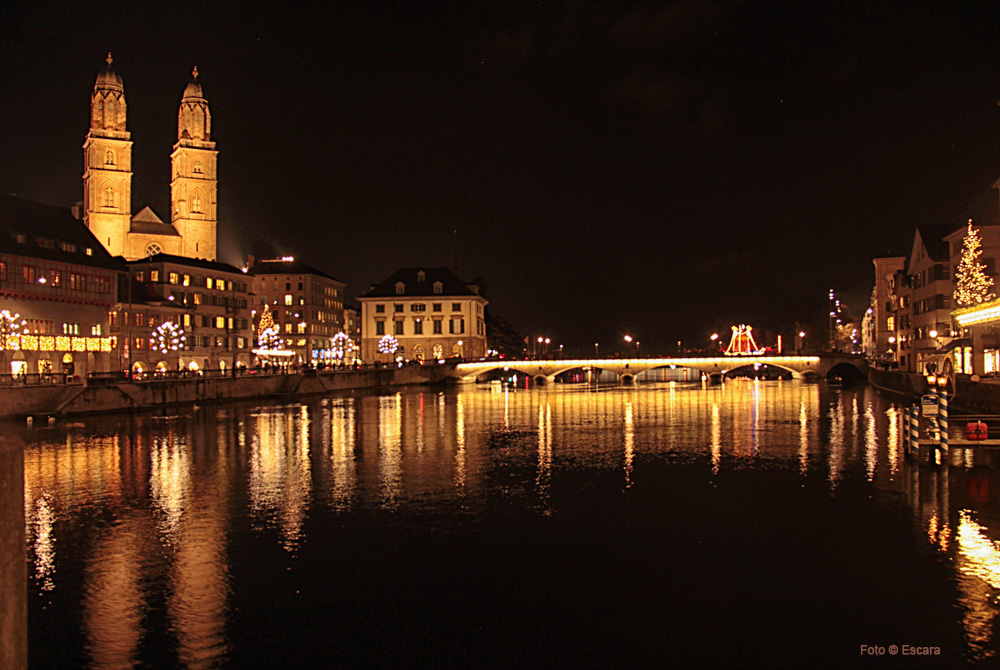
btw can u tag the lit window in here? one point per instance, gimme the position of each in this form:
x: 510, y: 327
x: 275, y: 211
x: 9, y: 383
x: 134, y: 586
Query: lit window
x: 288, y: 299
x: 209, y: 282
x: 186, y: 281
x: 174, y: 278
x: 154, y: 276
x: 302, y: 328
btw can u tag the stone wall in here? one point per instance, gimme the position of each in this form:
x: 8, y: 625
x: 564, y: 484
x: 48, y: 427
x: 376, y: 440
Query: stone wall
x: 970, y: 397
x: 80, y: 399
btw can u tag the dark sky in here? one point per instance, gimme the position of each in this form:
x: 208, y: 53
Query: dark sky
x: 665, y: 169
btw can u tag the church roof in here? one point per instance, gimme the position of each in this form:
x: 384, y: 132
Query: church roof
x: 147, y: 222
x: 193, y: 89
x: 35, y: 230
x: 108, y: 78
x: 420, y: 281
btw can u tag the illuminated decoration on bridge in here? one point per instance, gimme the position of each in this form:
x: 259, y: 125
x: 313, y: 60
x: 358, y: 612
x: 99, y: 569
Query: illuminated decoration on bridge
x: 742, y: 343
x: 167, y: 337
x: 972, y: 284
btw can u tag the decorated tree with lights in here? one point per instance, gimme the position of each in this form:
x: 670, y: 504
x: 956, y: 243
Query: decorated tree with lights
x: 388, y: 345
x: 267, y: 333
x: 11, y: 328
x: 342, y: 347
x: 972, y: 285
x: 167, y: 337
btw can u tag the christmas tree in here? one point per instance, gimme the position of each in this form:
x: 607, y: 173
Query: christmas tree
x: 267, y: 332
x: 972, y: 286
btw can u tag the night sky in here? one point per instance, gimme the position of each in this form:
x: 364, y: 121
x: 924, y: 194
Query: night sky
x: 664, y: 169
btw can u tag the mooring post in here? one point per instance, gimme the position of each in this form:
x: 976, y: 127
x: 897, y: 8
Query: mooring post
x: 942, y: 426
x: 915, y: 430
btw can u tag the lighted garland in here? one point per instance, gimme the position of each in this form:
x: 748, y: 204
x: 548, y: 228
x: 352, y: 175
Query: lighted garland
x: 972, y: 285
x: 11, y: 328
x: 167, y: 337
x: 388, y: 345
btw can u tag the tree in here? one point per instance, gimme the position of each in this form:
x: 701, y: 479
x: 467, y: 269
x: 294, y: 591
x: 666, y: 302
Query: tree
x: 11, y: 328
x: 972, y: 285
x: 167, y: 337
x: 267, y: 333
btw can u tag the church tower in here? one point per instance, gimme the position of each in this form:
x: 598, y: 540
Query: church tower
x: 107, y: 169
x: 193, y: 187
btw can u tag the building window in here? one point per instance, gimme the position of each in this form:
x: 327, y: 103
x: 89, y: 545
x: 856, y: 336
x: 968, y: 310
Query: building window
x: 437, y: 327
x: 397, y: 328
x: 400, y: 288
x: 380, y: 309
x: 109, y: 197
x: 153, y: 249
x: 109, y: 157
x: 380, y: 327
x: 288, y: 299
x: 438, y: 287
x: 418, y: 307
x: 196, y: 203
x: 418, y: 327
x: 197, y: 167
x: 398, y: 308
x: 174, y: 278
x: 436, y: 307
x: 209, y: 282
x: 456, y: 307
x: 154, y: 276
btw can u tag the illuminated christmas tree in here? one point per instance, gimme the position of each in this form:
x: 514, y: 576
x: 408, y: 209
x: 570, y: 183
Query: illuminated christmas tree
x: 972, y: 286
x: 267, y: 333
x: 388, y: 345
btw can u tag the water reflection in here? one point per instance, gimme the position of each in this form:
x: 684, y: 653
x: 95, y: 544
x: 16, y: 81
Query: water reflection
x: 142, y: 523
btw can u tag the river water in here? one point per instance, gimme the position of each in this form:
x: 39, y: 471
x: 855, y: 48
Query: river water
x: 754, y: 524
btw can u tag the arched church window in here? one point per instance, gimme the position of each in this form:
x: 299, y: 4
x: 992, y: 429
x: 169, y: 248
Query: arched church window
x: 196, y: 202
x: 109, y: 197
x: 109, y: 157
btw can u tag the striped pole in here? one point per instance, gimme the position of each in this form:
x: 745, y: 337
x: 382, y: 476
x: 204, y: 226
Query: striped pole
x: 943, y: 425
x: 906, y: 431
x: 915, y: 430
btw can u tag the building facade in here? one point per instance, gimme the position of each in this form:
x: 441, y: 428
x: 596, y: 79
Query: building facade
x: 307, y: 305
x: 206, y: 301
x: 107, y: 178
x: 62, y: 284
x: 429, y: 312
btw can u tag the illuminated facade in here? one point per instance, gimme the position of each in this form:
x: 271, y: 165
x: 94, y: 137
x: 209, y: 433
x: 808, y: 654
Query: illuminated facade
x: 206, y: 300
x: 63, y: 283
x: 431, y: 313
x: 107, y: 178
x: 881, y: 336
x: 306, y: 303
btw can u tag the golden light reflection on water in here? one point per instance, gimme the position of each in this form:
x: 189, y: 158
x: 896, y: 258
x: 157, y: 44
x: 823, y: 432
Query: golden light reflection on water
x: 280, y: 477
x: 164, y: 485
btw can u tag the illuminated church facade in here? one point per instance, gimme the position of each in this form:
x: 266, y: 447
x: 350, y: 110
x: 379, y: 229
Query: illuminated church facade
x: 107, y: 178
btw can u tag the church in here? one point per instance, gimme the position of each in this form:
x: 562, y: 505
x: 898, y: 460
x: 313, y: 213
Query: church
x: 107, y: 178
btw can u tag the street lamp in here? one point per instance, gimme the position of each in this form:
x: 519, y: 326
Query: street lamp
x: 628, y: 341
x: 595, y: 350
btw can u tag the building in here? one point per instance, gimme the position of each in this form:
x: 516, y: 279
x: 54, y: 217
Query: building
x: 62, y: 283
x: 929, y: 267
x: 307, y: 305
x: 430, y: 313
x: 107, y: 178
x: 206, y: 301
x: 880, y: 335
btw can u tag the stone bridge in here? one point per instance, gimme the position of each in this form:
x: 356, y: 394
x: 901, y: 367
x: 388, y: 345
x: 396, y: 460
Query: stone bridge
x: 714, y: 367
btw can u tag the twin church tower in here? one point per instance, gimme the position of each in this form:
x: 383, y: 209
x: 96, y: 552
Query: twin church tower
x: 107, y: 178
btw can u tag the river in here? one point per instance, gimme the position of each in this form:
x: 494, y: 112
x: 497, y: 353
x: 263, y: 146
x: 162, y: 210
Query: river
x: 753, y: 524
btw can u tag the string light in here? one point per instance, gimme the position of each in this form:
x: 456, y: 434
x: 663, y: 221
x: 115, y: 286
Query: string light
x: 972, y: 285
x: 168, y: 336
x: 388, y: 345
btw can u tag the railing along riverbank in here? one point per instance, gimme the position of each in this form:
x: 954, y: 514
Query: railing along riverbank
x: 116, y: 392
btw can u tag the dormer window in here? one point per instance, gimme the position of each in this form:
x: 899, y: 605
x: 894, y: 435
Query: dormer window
x: 400, y: 288
x: 421, y: 276
x: 438, y: 287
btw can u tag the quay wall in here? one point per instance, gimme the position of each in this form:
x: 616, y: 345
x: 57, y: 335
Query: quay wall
x: 969, y: 397
x: 70, y: 399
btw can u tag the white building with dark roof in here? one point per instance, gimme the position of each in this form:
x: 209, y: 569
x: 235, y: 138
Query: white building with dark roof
x: 430, y: 313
